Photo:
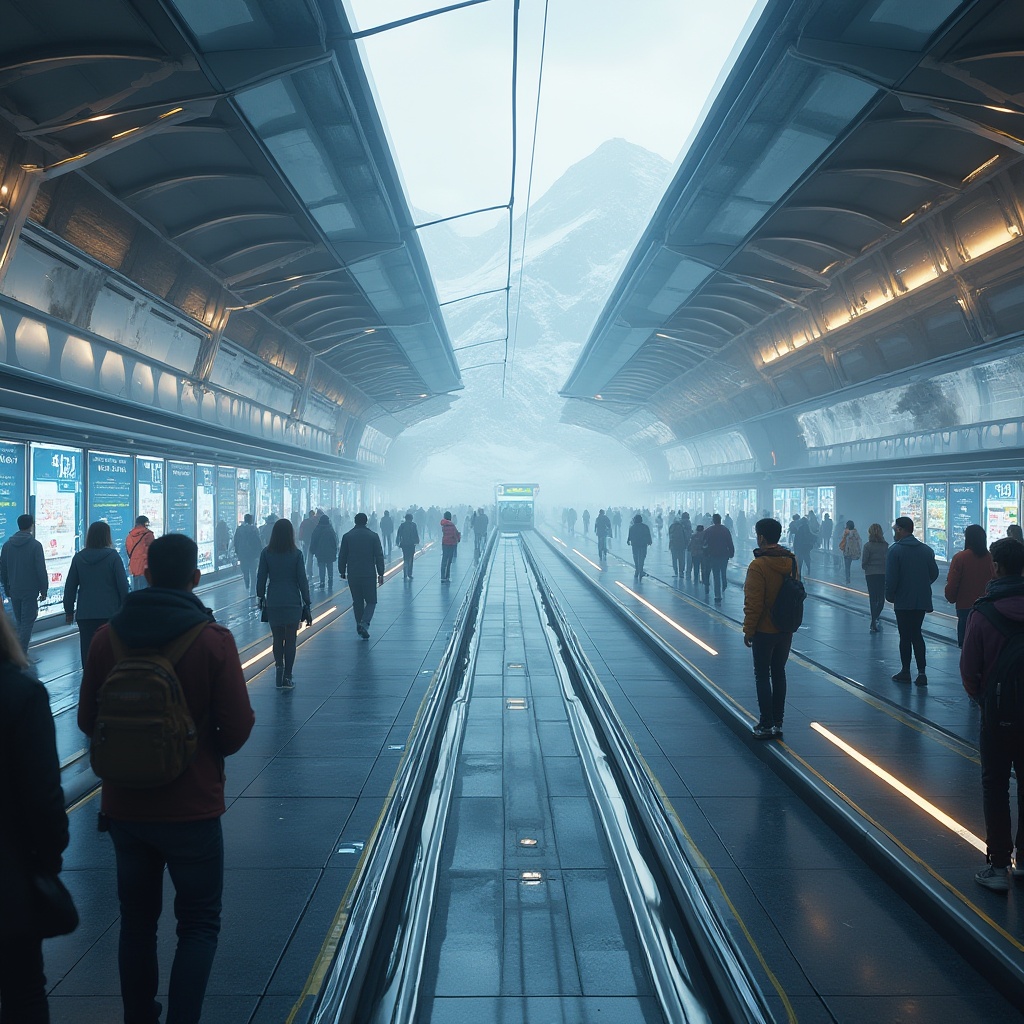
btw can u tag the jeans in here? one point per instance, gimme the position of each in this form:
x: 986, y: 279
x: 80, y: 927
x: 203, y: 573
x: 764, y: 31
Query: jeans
x: 876, y: 594
x: 1002, y: 749
x: 386, y: 543
x: 639, y: 557
x: 26, y: 611
x: 678, y: 562
x: 364, y: 598
x: 86, y: 631
x: 193, y: 852
x: 770, y: 653
x: 326, y: 566
x: 248, y: 567
x: 849, y: 562
x: 480, y: 539
x: 22, y: 982
x: 961, y: 624
x: 408, y: 554
x: 717, y: 567
x: 602, y: 545
x: 447, y: 554
x: 909, y: 623
x: 284, y: 646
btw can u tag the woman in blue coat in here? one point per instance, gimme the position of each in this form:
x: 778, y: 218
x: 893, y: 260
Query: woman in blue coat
x: 283, y: 591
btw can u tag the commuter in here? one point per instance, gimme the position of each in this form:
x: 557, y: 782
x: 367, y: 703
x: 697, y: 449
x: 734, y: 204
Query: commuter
x: 719, y: 549
x: 851, y: 547
x: 306, y: 528
x: 803, y: 544
x: 571, y: 518
x: 770, y: 565
x: 35, y: 831
x: 450, y: 538
x: 1002, y: 745
x: 480, y: 524
x: 617, y: 524
x: 282, y: 588
x: 677, y: 546
x: 659, y: 523
x: 387, y: 533
x: 639, y: 539
x: 24, y: 578
x: 324, y: 545
x: 407, y: 538
x: 727, y: 523
x: 1013, y: 531
x: 910, y: 571
x: 586, y: 521
x: 177, y: 824
x: 266, y: 529
x: 97, y: 580
x: 136, y: 546
x: 872, y: 561
x: 969, y: 573
x: 602, y: 530
x: 825, y: 534
x: 698, y: 558
x: 794, y: 523
x: 247, y: 549
x: 361, y: 560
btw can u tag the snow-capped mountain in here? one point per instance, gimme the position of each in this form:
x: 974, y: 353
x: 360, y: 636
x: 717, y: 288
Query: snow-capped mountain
x: 579, y: 234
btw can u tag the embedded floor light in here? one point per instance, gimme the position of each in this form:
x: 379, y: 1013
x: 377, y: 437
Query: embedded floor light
x: 587, y: 560
x: 671, y: 622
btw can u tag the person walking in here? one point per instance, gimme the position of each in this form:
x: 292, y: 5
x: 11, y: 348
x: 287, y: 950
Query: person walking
x: 361, y: 559
x: 910, y: 571
x: 803, y: 544
x: 305, y: 536
x: 324, y: 545
x: 698, y: 569
x: 282, y: 588
x: 248, y: 546
x: 969, y: 573
x: 407, y: 538
x: 136, y: 546
x: 616, y: 524
x: 586, y: 521
x: 450, y: 538
x: 35, y: 829
x: 23, y: 577
x: 602, y: 530
x: 387, y: 532
x: 851, y: 547
x: 771, y: 564
x: 639, y: 539
x: 872, y: 561
x: 719, y: 549
x: 825, y: 535
x: 677, y: 546
x: 480, y: 525
x: 96, y: 582
x: 176, y: 825
x: 1001, y: 743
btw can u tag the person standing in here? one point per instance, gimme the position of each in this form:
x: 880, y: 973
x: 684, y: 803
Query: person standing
x: 639, y: 539
x: 1001, y: 745
x: 851, y: 547
x: 803, y: 544
x: 407, y: 538
x: 450, y: 538
x: 35, y: 830
x: 825, y: 535
x: 282, y: 588
x: 910, y: 571
x: 969, y: 573
x: 98, y: 582
x: 176, y: 825
x: 324, y: 545
x: 719, y: 548
x: 603, y: 530
x: 872, y: 561
x: 361, y: 559
x: 136, y: 546
x: 698, y: 570
x: 248, y: 546
x: 387, y: 532
x: 677, y: 546
x: 771, y: 564
x: 23, y: 577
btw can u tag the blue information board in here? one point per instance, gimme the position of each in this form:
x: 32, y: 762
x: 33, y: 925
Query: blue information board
x: 181, y: 498
x: 964, y: 509
x: 12, y: 487
x: 110, y: 489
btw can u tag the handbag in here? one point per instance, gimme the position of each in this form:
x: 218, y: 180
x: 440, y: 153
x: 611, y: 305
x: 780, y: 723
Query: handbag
x: 53, y: 909
x: 264, y: 612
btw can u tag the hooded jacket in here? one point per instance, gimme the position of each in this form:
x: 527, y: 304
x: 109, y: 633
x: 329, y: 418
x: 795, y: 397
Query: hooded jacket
x: 214, y: 688
x: 771, y: 564
x: 136, y: 546
x: 982, y: 641
x: 23, y: 567
x: 97, y: 580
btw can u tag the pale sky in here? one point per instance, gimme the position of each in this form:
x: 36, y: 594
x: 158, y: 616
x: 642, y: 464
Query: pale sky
x: 636, y: 69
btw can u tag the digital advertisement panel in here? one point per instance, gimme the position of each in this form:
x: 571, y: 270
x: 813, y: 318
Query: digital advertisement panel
x: 227, y: 517
x: 1001, y: 508
x: 935, y: 510
x: 264, y: 496
x: 964, y: 509
x: 12, y: 487
x: 908, y: 500
x: 243, y: 490
x: 111, y: 484
x: 57, y: 494
x: 150, y: 473
x: 206, y: 492
x: 181, y: 509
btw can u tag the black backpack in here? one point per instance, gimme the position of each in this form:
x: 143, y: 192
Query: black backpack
x: 1003, y: 699
x: 788, y: 610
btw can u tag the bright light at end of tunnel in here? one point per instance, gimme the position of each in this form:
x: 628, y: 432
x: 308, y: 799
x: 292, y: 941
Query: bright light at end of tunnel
x: 930, y: 808
x: 661, y: 615
x: 587, y: 560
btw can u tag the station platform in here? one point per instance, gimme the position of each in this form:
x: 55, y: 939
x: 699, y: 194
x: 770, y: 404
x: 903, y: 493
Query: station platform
x: 827, y: 937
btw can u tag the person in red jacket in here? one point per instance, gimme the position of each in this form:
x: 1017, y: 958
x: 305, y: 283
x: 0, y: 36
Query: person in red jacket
x: 969, y: 574
x: 178, y: 824
x: 450, y: 538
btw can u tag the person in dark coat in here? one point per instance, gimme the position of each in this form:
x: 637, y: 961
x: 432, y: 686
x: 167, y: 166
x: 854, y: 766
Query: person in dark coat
x: 719, y: 549
x: 910, y: 571
x: 248, y: 546
x: 677, y: 542
x: 283, y: 591
x: 324, y: 546
x: 639, y: 539
x: 24, y: 577
x: 603, y: 530
x: 34, y: 833
x: 387, y: 532
x: 407, y: 538
x: 360, y: 559
x: 97, y: 580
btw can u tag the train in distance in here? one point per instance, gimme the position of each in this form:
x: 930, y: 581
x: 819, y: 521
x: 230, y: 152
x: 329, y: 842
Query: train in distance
x: 515, y: 506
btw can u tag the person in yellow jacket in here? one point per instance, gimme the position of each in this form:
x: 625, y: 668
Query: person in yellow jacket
x: 770, y: 565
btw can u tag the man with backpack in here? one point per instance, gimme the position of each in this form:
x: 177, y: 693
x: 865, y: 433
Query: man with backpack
x: 161, y: 760
x: 992, y: 671
x: 771, y: 612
